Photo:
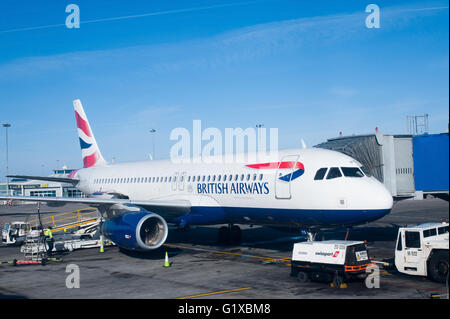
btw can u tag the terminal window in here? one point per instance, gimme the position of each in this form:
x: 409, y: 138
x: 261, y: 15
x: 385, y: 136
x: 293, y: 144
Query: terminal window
x: 43, y: 193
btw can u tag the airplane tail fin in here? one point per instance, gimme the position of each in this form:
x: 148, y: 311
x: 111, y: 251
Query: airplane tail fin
x: 89, y: 149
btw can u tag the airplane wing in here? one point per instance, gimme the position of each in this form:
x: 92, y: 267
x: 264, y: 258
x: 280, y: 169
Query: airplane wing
x: 72, y: 181
x: 158, y: 206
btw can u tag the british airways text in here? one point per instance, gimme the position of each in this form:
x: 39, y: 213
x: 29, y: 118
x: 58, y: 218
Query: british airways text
x: 233, y: 188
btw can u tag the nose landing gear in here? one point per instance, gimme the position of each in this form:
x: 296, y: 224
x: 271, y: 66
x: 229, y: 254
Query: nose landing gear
x: 310, y: 234
x: 230, y: 234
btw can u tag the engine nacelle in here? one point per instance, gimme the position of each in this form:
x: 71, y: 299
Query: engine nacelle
x: 136, y: 231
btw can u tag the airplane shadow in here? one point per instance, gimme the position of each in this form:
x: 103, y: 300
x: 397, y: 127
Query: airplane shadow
x: 372, y: 233
x: 156, y: 254
x: 268, y: 238
x: 260, y: 237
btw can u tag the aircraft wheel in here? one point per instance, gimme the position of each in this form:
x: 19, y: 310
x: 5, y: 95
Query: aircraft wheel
x: 235, y: 234
x: 224, y: 235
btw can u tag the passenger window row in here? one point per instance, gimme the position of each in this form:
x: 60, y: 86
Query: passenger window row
x: 336, y: 172
x: 169, y: 179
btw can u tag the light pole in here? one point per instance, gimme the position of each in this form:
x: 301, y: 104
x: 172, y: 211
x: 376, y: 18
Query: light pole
x: 153, y: 131
x: 259, y: 126
x: 6, y: 125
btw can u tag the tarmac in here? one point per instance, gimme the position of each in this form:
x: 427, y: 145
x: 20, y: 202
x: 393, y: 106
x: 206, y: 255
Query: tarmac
x: 258, y: 268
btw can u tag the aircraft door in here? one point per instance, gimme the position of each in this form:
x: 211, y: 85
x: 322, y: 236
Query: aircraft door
x: 283, y: 176
x: 181, y: 181
x: 175, y: 178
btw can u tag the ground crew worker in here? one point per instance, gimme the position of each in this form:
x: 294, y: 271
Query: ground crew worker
x: 49, y: 239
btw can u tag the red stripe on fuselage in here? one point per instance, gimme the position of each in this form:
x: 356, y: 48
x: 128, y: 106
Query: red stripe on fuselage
x: 276, y: 165
x: 82, y: 124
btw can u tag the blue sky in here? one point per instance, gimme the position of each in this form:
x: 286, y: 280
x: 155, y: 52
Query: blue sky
x: 309, y: 68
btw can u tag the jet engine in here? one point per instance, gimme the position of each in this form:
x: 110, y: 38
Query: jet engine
x: 139, y: 231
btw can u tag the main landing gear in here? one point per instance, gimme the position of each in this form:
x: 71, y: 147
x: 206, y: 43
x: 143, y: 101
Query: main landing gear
x: 230, y: 234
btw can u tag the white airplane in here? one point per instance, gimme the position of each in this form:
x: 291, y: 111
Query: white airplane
x: 308, y: 188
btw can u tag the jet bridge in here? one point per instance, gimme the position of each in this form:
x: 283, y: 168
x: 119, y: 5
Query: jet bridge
x: 409, y: 166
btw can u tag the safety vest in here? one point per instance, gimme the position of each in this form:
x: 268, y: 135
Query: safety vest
x: 48, y: 232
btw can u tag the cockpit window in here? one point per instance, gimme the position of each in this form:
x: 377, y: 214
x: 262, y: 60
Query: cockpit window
x: 334, y: 173
x: 366, y: 171
x: 320, y: 174
x: 352, y: 172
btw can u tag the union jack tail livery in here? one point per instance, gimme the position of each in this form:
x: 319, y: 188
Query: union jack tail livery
x: 89, y: 149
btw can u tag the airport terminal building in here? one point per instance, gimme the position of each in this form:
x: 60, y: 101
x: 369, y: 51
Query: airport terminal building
x: 26, y: 187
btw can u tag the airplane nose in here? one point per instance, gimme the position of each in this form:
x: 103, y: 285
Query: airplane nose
x: 379, y: 200
x: 386, y: 198
x: 383, y: 197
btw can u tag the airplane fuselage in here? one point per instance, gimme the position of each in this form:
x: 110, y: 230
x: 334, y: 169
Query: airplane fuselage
x: 281, y: 190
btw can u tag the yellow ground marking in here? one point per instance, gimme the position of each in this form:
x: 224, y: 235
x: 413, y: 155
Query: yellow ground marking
x: 238, y: 254
x: 278, y: 259
x: 263, y: 258
x: 215, y: 293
